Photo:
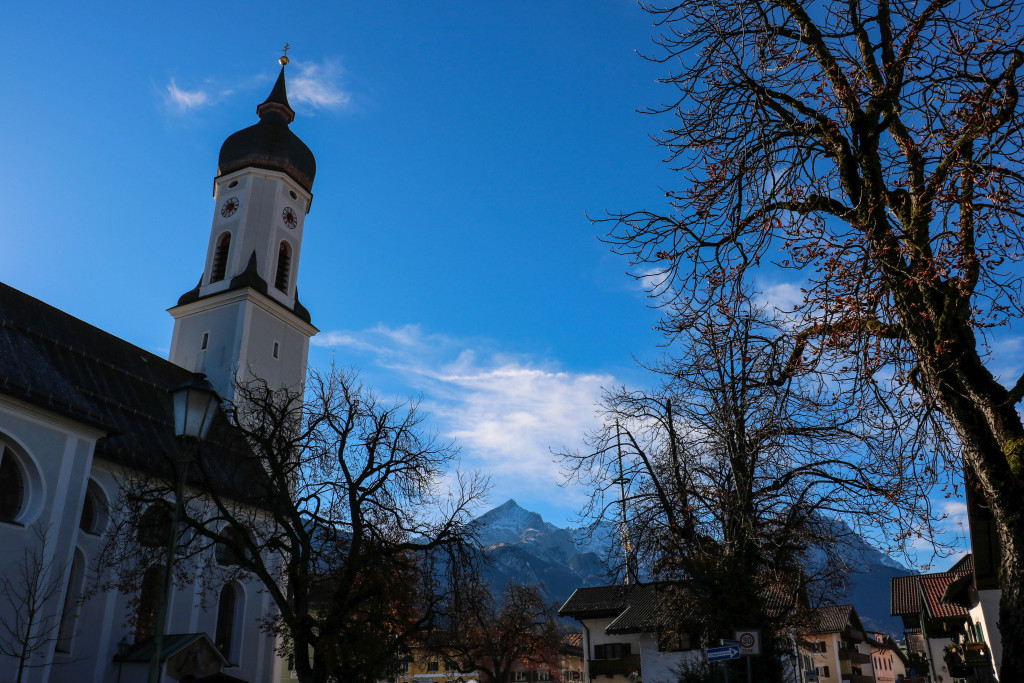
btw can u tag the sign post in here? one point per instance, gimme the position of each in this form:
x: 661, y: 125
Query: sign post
x: 750, y: 644
x: 724, y: 654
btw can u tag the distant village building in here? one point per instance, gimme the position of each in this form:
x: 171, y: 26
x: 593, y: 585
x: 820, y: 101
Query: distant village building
x: 949, y: 629
x: 622, y: 642
x: 887, y: 659
x: 838, y: 648
x: 79, y: 408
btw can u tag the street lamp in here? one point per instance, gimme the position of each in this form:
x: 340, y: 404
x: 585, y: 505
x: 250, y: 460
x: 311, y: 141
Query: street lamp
x: 195, y: 403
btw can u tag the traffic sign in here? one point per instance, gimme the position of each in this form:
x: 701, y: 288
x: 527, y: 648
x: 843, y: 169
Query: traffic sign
x: 720, y: 654
x: 750, y: 641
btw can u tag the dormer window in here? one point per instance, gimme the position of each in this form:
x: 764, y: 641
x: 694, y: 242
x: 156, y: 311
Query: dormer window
x: 220, y: 257
x: 284, y: 263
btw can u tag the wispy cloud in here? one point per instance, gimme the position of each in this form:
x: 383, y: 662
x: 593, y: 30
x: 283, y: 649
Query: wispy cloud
x: 508, y: 412
x: 781, y: 296
x: 318, y: 84
x: 185, y: 100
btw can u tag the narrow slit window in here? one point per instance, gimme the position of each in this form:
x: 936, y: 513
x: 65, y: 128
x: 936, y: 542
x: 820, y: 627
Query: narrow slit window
x: 220, y: 257
x: 284, y: 262
x: 277, y: 350
x: 206, y: 340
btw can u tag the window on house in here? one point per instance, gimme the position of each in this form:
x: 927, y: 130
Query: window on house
x: 277, y: 350
x: 220, y: 257
x: 149, y: 602
x: 520, y: 676
x: 206, y: 341
x: 824, y: 671
x: 405, y: 667
x: 69, y: 615
x: 611, y: 651
x: 432, y: 667
x: 673, y: 642
x: 543, y: 675
x: 227, y: 610
x: 12, y: 485
x: 284, y: 263
x: 155, y: 526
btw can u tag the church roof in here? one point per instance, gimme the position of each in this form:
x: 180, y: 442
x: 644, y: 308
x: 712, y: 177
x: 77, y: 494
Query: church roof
x: 270, y: 144
x: 57, y: 362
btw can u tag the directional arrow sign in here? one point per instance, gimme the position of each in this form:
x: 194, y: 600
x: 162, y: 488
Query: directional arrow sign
x: 720, y: 654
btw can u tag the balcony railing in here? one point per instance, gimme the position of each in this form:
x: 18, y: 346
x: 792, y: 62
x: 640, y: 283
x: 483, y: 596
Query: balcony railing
x: 614, y: 667
x: 856, y: 678
x: 854, y: 656
x: 976, y: 654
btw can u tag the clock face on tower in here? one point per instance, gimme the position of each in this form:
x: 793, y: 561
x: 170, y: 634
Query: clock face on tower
x: 290, y: 219
x: 229, y: 207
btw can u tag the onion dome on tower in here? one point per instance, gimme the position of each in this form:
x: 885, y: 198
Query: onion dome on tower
x: 270, y: 144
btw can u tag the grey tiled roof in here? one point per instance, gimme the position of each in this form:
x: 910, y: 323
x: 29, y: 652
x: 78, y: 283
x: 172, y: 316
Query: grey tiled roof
x: 57, y: 362
x: 636, y: 608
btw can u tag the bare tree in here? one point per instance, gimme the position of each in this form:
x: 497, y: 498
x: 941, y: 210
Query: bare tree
x: 492, y: 635
x: 333, y: 503
x: 874, y: 146
x: 728, y: 477
x: 31, y: 622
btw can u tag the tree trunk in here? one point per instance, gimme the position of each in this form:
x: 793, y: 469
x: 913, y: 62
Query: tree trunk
x: 1011, y: 602
x: 991, y: 433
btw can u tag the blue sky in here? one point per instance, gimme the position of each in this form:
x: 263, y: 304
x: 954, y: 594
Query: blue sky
x: 448, y: 253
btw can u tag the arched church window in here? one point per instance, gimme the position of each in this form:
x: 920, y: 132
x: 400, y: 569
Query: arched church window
x: 12, y: 485
x: 227, y: 616
x: 284, y: 263
x: 149, y: 602
x: 94, y: 510
x: 230, y: 553
x: 220, y: 257
x: 69, y: 615
x: 155, y: 526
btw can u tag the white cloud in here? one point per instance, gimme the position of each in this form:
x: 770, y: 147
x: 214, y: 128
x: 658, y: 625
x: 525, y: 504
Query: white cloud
x: 185, y: 100
x: 781, y: 296
x: 507, y: 412
x: 318, y: 85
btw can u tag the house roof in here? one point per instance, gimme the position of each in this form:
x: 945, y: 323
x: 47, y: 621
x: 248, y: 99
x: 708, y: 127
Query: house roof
x: 932, y: 588
x: 635, y: 607
x: 833, y: 619
x: 904, y: 595
x: 59, y: 363
x: 907, y: 591
x: 172, y: 644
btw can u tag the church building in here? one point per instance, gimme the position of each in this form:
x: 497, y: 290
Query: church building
x: 80, y: 409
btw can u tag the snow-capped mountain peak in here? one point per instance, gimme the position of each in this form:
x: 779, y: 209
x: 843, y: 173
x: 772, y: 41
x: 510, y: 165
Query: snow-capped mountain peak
x: 511, y: 523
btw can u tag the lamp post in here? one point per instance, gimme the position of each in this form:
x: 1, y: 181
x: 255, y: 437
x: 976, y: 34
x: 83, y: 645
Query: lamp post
x: 195, y: 403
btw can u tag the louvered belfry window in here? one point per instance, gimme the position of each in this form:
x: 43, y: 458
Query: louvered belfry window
x: 220, y: 257
x: 284, y: 263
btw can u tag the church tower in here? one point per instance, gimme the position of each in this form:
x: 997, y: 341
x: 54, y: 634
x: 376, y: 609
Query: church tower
x: 244, y: 319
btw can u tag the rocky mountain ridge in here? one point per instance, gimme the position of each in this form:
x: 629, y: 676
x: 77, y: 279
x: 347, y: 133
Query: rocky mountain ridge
x: 520, y: 546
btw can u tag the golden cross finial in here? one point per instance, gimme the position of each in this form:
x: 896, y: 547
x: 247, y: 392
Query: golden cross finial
x: 284, y: 58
